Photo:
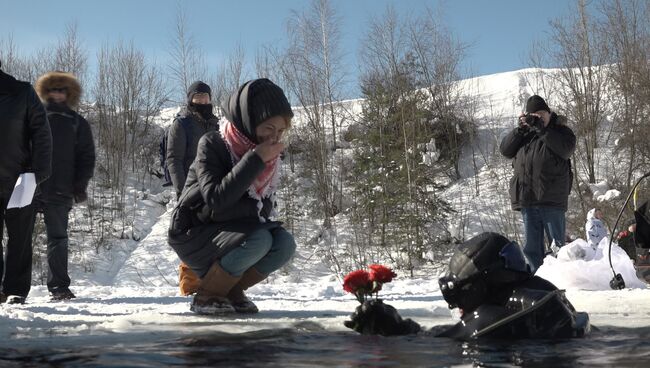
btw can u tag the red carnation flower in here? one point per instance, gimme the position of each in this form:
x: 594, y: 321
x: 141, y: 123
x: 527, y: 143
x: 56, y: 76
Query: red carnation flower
x: 357, y: 281
x: 362, y: 283
x: 381, y: 274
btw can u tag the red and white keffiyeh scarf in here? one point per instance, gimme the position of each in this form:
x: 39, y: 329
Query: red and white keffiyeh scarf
x: 238, y: 144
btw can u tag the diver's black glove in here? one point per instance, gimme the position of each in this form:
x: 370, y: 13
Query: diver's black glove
x: 373, y: 317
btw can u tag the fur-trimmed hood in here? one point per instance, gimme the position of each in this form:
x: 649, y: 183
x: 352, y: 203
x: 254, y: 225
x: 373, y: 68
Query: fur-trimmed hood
x: 559, y: 119
x: 59, y: 80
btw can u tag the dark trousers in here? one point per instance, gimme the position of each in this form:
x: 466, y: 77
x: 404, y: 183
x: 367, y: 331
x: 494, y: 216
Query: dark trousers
x: 17, y: 275
x: 56, y: 226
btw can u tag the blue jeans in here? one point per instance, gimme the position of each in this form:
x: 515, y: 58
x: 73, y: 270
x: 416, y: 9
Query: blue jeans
x: 266, y: 250
x: 537, y: 222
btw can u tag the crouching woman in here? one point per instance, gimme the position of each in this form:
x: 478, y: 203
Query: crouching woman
x: 222, y: 227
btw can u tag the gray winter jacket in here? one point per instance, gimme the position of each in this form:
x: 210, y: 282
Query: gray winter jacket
x: 181, y: 149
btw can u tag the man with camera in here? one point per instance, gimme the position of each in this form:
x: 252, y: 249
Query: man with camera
x: 541, y: 147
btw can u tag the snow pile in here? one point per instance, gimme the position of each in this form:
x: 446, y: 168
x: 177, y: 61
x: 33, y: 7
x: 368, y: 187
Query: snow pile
x: 601, y: 191
x: 579, y: 266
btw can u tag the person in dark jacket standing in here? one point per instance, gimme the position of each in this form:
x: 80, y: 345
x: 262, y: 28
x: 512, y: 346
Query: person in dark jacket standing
x: 188, y: 127
x: 223, y: 227
x: 541, y: 147
x: 73, y: 163
x: 25, y: 146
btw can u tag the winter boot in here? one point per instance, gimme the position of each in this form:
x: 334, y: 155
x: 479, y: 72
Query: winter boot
x: 239, y: 300
x: 210, y: 297
x: 62, y: 293
x: 15, y: 299
x: 188, y: 282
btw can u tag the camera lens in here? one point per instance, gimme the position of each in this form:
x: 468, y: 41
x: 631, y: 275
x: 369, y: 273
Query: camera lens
x: 529, y: 119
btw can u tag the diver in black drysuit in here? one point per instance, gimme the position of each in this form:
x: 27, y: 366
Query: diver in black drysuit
x: 490, y: 282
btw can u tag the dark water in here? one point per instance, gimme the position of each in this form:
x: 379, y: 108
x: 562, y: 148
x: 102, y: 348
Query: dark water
x: 309, y: 346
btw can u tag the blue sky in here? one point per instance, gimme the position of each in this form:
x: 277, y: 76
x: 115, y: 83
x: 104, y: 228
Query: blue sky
x: 500, y: 32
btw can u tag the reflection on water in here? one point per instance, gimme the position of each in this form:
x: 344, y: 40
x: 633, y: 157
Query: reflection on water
x: 309, y: 346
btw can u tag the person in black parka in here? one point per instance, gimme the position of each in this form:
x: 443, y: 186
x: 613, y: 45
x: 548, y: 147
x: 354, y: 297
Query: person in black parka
x: 541, y: 148
x: 188, y: 127
x: 25, y: 146
x: 490, y: 282
x: 222, y: 227
x: 73, y: 164
x: 194, y: 120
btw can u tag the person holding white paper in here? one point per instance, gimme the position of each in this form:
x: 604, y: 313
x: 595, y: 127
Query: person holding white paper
x: 23, y: 193
x: 25, y: 146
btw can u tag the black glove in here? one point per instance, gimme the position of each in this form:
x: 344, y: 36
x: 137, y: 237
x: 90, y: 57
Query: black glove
x: 523, y: 128
x: 373, y: 317
x: 81, y: 196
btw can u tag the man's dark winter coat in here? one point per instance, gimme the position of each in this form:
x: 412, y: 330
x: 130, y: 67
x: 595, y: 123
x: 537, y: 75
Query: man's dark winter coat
x: 25, y: 138
x: 25, y: 146
x: 542, y: 166
x: 73, y: 152
x: 73, y: 155
x: 181, y: 149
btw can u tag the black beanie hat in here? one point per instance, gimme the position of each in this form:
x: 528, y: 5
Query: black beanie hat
x: 266, y: 100
x: 197, y: 87
x: 536, y: 103
x: 254, y: 102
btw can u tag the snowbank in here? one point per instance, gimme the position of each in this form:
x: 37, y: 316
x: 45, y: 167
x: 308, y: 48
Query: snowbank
x: 578, y: 266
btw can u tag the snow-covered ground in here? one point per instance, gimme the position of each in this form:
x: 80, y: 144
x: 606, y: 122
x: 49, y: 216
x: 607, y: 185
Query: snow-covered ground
x: 144, y: 297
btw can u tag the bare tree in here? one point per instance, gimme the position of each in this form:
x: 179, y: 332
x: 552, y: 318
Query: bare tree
x: 70, y: 55
x: 11, y: 60
x: 626, y: 30
x: 188, y: 62
x: 579, y: 51
x: 128, y: 93
x: 230, y: 74
x: 29, y: 67
x: 313, y: 74
x: 437, y: 56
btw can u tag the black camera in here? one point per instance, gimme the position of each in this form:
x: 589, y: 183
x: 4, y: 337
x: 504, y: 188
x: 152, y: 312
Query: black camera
x: 533, y: 121
x: 530, y: 119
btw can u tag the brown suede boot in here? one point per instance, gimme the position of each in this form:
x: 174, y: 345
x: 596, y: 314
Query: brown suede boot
x: 239, y: 300
x: 188, y: 282
x: 210, y: 297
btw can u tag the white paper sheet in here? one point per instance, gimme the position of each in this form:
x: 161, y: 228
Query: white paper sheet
x: 23, y: 191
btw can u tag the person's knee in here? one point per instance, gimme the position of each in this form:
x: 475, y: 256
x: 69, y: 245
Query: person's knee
x: 259, y: 241
x: 284, y: 243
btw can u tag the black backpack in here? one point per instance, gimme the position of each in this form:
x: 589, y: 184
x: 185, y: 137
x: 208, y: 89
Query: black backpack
x: 162, y: 147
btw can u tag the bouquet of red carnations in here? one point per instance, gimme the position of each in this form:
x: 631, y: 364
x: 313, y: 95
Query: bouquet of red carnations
x: 364, y: 283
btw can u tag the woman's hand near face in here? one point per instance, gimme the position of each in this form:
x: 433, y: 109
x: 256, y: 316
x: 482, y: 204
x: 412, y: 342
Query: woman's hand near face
x: 269, y: 150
